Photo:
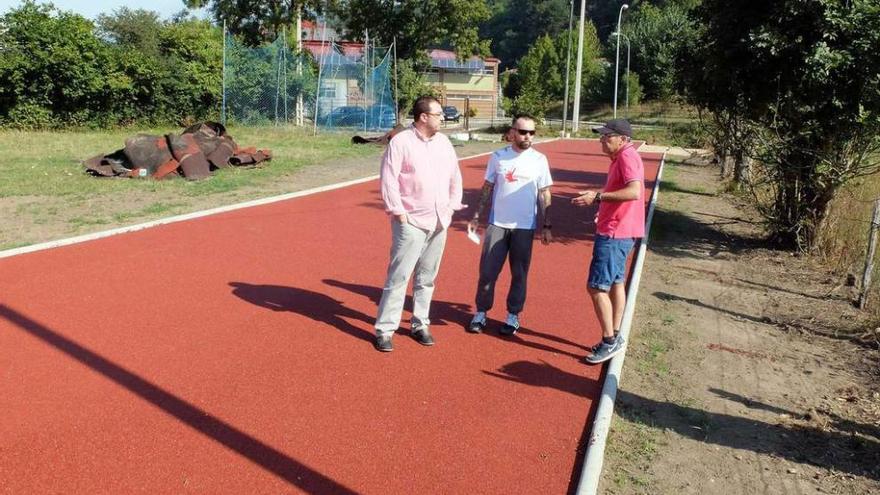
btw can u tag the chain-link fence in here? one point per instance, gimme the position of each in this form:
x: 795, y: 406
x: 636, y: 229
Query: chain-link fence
x: 266, y: 85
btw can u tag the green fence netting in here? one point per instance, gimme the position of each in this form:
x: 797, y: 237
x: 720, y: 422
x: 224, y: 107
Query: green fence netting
x: 355, y: 87
x: 266, y: 85
x: 273, y: 84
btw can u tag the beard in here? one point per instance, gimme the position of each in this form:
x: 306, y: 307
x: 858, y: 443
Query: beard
x: 524, y: 145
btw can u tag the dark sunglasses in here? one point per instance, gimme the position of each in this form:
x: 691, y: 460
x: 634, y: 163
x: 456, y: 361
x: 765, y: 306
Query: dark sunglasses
x: 523, y: 132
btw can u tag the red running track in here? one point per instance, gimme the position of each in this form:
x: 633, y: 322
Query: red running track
x: 233, y: 354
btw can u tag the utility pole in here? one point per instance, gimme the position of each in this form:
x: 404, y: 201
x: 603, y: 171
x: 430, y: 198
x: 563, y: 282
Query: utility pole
x: 575, y: 113
x: 567, y: 69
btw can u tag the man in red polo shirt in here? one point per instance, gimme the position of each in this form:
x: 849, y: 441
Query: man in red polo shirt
x: 620, y: 221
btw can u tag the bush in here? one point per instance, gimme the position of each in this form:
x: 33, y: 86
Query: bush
x: 29, y: 116
x: 55, y: 71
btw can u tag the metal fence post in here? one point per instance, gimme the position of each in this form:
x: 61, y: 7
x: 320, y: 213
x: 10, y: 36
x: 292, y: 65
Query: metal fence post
x: 223, y: 80
x: 869, y: 258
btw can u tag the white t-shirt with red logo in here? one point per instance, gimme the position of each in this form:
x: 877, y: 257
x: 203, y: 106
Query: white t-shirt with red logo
x: 517, y: 178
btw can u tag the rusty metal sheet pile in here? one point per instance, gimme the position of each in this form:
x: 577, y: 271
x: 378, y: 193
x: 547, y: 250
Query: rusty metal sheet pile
x: 193, y: 154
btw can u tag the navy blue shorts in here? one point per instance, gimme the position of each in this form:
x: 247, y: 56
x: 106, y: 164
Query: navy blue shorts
x: 609, y: 261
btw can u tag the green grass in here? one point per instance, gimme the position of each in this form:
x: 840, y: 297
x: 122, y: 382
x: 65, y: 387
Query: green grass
x: 154, y: 209
x: 49, y: 163
x: 649, y: 113
x: 657, y: 123
x: 654, y: 352
x: 635, y: 441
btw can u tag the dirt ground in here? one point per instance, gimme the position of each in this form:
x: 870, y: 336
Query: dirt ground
x: 748, y: 369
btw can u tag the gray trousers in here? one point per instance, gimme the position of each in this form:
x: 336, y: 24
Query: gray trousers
x: 413, y: 250
x: 497, y: 244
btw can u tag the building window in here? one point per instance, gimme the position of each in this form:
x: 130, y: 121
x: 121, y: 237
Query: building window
x: 328, y: 90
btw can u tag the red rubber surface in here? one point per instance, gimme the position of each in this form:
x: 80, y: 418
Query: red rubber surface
x: 233, y: 354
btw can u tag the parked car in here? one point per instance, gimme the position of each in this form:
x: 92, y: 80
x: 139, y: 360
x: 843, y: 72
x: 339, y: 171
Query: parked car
x: 381, y: 117
x: 347, y: 116
x: 451, y: 113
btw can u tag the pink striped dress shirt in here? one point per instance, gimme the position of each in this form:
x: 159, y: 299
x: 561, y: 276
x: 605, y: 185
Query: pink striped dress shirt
x: 420, y: 178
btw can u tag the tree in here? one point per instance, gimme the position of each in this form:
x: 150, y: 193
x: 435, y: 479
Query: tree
x: 657, y: 35
x: 417, y: 24
x: 808, y: 73
x: 515, y: 25
x: 411, y: 84
x: 132, y: 28
x: 257, y: 21
x: 538, y: 78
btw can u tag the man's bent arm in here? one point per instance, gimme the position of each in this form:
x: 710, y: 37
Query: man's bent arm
x: 389, y: 181
x: 456, y: 189
x: 545, y: 198
x: 485, y: 198
x: 630, y: 192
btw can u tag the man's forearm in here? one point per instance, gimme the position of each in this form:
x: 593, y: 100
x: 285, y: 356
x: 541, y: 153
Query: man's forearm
x: 485, y: 198
x: 546, y: 201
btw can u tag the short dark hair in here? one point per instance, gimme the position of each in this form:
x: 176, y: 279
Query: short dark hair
x: 423, y: 105
x: 522, y: 116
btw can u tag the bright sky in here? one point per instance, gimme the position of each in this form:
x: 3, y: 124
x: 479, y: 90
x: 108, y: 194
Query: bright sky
x: 91, y: 8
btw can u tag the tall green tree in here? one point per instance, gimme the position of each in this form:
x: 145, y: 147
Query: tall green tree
x: 258, y: 21
x: 808, y: 73
x: 515, y: 25
x: 656, y: 36
x: 538, y: 78
x: 136, y: 28
x: 417, y: 24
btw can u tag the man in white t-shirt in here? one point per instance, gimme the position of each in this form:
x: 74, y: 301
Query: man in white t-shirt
x: 517, y: 180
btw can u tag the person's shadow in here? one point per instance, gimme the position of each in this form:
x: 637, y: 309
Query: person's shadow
x: 314, y: 305
x: 442, y: 312
x: 445, y: 313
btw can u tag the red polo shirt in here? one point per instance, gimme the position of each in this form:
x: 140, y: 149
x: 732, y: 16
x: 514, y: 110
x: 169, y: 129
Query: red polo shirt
x: 624, y: 219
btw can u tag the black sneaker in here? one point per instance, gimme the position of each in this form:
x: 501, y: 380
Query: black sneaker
x: 423, y: 336
x: 383, y: 343
x: 511, y: 325
x: 478, y: 323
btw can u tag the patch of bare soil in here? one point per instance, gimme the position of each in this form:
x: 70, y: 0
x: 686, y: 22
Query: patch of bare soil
x: 33, y: 219
x: 748, y: 369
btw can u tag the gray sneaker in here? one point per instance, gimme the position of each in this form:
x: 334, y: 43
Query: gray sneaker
x: 511, y: 325
x: 383, y: 343
x: 603, y: 352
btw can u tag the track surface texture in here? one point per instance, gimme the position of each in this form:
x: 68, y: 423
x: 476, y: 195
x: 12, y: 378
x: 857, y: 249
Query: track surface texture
x: 233, y: 354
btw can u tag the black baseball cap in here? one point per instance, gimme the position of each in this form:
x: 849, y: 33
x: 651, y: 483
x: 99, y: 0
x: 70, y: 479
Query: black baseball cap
x: 615, y: 126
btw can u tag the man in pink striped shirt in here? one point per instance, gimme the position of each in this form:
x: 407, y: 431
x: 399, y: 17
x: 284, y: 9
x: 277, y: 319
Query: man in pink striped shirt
x: 421, y: 187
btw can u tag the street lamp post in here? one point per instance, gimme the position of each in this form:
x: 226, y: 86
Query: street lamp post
x: 576, y: 104
x: 626, y: 39
x: 567, y: 70
x: 617, y: 61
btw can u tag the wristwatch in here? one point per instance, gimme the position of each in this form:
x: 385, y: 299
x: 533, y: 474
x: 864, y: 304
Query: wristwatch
x: 598, y: 196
